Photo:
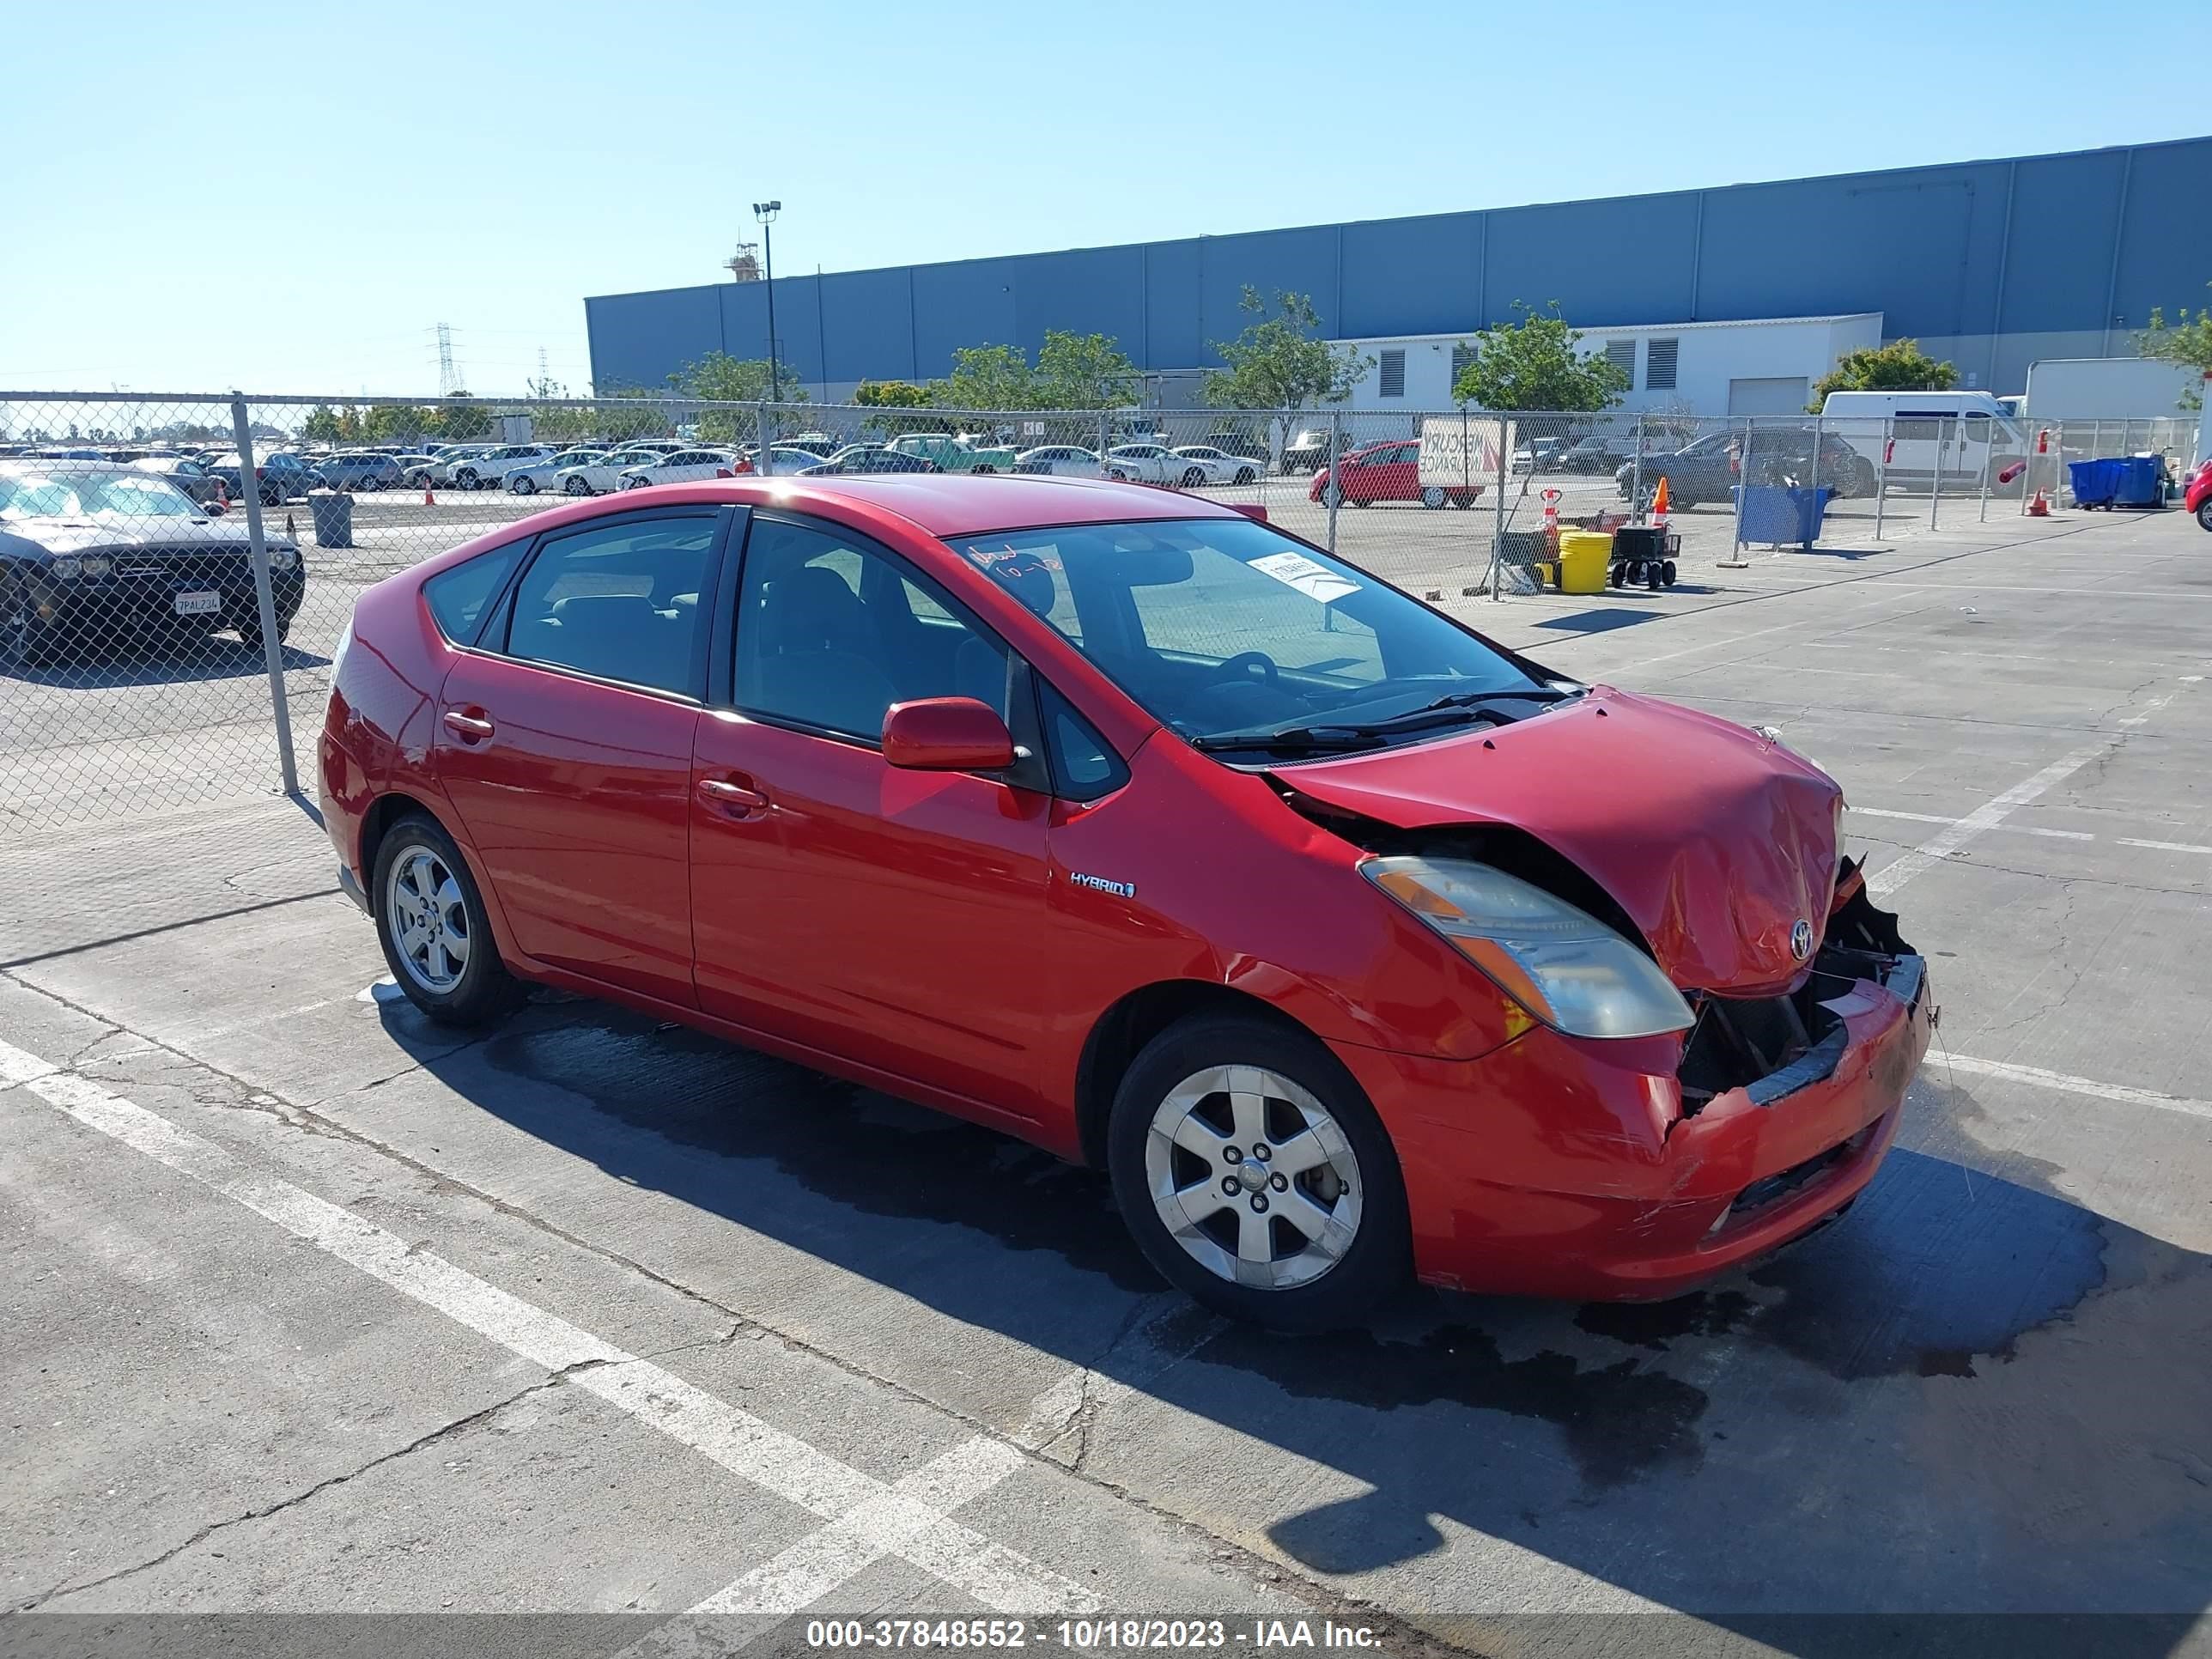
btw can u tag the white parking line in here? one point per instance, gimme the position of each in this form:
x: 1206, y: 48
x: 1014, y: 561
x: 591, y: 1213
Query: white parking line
x: 2077, y: 1086
x: 1986, y: 817
x: 2165, y: 846
x: 1977, y: 822
x: 899, y: 1519
x: 1941, y: 818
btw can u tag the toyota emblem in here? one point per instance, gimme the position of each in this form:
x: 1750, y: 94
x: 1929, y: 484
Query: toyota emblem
x: 1800, y: 940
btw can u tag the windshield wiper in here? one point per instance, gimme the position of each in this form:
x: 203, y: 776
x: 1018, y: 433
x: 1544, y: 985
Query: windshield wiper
x: 1292, y: 739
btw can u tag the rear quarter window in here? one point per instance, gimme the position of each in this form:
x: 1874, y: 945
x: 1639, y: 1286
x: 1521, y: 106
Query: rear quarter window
x: 459, y: 597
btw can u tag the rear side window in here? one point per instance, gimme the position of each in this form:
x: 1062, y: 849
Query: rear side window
x: 620, y: 602
x: 456, y: 597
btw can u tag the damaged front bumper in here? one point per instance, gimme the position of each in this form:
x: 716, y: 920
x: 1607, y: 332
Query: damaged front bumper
x: 1558, y: 1166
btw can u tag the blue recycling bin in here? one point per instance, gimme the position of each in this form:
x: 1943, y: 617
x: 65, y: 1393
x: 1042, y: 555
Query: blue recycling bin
x: 1770, y: 513
x: 2118, y: 481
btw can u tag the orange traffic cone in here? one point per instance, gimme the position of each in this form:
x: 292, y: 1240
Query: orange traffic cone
x: 1552, y: 517
x: 1659, y: 503
x: 429, y: 500
x: 2039, y: 508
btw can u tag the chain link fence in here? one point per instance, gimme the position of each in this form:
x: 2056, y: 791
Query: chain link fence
x: 177, y: 572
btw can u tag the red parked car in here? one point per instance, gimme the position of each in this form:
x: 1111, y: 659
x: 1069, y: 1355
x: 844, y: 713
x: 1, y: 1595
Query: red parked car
x: 1348, y: 942
x: 1388, y: 471
x: 2197, y: 493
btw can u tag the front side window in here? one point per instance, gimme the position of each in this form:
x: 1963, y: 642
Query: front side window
x: 832, y: 630
x: 620, y: 602
x: 1224, y: 629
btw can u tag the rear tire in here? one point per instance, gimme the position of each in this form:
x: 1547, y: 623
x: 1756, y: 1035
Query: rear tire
x: 416, y: 856
x: 1433, y: 498
x: 1245, y: 475
x: 523, y: 484
x: 575, y: 487
x: 1349, y: 1247
x: 2204, y: 513
x: 1193, y: 476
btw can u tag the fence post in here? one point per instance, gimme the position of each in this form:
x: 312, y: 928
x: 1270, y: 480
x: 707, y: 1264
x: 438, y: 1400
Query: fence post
x: 1101, y: 459
x: 1881, y: 474
x: 1935, y: 475
x: 1990, y: 447
x: 1636, y: 475
x: 1334, y: 492
x: 1503, y: 430
x: 1742, y: 485
x: 1815, y: 482
x: 264, y: 595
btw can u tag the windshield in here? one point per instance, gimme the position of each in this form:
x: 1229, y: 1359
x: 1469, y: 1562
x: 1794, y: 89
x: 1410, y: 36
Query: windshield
x: 1225, y: 630
x: 85, y: 494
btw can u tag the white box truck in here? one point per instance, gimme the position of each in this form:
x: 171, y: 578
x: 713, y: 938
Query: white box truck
x: 2105, y: 389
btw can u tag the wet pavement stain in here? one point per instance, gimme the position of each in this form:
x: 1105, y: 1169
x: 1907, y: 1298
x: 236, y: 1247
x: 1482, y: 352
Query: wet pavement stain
x: 1658, y: 1325
x: 1618, y: 1421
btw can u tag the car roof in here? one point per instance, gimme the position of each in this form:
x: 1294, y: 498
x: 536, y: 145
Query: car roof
x: 51, y: 463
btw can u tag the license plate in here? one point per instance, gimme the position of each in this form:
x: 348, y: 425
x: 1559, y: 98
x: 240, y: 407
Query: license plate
x: 198, y: 604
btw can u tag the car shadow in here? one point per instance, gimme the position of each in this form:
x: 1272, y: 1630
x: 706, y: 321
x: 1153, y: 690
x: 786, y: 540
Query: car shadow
x: 153, y: 660
x: 1971, y: 1395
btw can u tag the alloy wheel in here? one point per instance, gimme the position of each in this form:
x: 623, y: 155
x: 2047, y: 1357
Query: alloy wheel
x: 1252, y: 1177
x: 430, y: 919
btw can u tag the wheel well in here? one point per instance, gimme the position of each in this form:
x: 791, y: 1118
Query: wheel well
x: 1122, y: 1032
x: 383, y: 813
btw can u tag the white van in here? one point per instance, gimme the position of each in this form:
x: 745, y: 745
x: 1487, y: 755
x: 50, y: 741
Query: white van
x: 1930, y: 434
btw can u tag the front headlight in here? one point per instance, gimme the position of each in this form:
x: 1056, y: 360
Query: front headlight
x: 284, y: 558
x: 1563, y: 965
x: 72, y: 567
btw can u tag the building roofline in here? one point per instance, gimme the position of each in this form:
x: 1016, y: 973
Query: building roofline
x: 1451, y: 213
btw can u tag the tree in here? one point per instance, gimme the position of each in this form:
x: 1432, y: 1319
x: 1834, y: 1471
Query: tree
x: 719, y: 378
x: 459, y: 419
x: 1534, y: 365
x: 986, y: 377
x: 1900, y: 366
x: 1280, y: 362
x: 890, y: 394
x: 392, y: 424
x: 321, y: 425
x: 2184, y: 342
x: 1084, y: 371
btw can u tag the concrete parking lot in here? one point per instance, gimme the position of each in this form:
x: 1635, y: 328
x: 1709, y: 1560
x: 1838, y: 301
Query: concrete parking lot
x: 317, y: 1309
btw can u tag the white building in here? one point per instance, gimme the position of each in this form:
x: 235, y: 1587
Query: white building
x: 1766, y: 367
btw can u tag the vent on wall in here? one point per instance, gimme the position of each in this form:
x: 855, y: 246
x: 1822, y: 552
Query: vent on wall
x: 1463, y: 359
x: 1391, y: 375
x: 1621, y: 353
x: 1660, y: 357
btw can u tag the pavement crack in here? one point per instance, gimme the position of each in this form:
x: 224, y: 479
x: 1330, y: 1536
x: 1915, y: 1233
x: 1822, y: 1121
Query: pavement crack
x: 445, y: 1431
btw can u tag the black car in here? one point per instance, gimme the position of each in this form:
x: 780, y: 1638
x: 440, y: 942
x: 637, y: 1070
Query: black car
x: 868, y: 457
x: 1600, y: 452
x: 90, y: 550
x: 1707, y: 469
x: 188, y: 475
x: 282, y: 477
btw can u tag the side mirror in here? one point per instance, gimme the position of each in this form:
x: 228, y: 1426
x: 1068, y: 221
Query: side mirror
x: 946, y: 734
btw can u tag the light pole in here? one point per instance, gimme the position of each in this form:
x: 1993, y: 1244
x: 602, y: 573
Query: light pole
x: 765, y: 212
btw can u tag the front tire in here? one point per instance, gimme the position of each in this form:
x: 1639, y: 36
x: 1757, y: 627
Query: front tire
x: 250, y: 630
x: 430, y: 920
x: 1193, y: 476
x: 1245, y: 475
x: 1255, y: 1176
x: 575, y: 487
x: 465, y: 478
x: 522, y: 484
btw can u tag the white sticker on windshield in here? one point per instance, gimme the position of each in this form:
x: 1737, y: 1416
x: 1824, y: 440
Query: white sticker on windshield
x: 1315, y: 581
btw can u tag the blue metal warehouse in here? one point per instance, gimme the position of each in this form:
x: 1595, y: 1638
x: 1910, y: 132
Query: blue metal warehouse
x: 1990, y: 264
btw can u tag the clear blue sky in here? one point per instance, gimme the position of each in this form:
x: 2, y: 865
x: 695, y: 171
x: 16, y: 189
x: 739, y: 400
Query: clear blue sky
x: 289, y: 197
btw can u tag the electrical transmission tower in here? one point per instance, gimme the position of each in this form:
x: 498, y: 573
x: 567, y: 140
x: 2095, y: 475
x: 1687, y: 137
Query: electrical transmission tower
x: 449, y: 377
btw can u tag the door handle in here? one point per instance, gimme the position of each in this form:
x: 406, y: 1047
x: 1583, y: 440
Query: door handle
x: 737, y: 796
x: 471, y: 728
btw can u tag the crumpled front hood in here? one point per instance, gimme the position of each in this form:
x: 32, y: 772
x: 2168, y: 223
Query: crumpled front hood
x: 1716, y: 840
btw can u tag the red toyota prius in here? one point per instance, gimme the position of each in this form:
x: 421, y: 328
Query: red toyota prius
x: 1347, y: 942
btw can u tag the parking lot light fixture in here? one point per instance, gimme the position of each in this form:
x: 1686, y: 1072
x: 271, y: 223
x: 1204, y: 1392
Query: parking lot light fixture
x: 765, y: 212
